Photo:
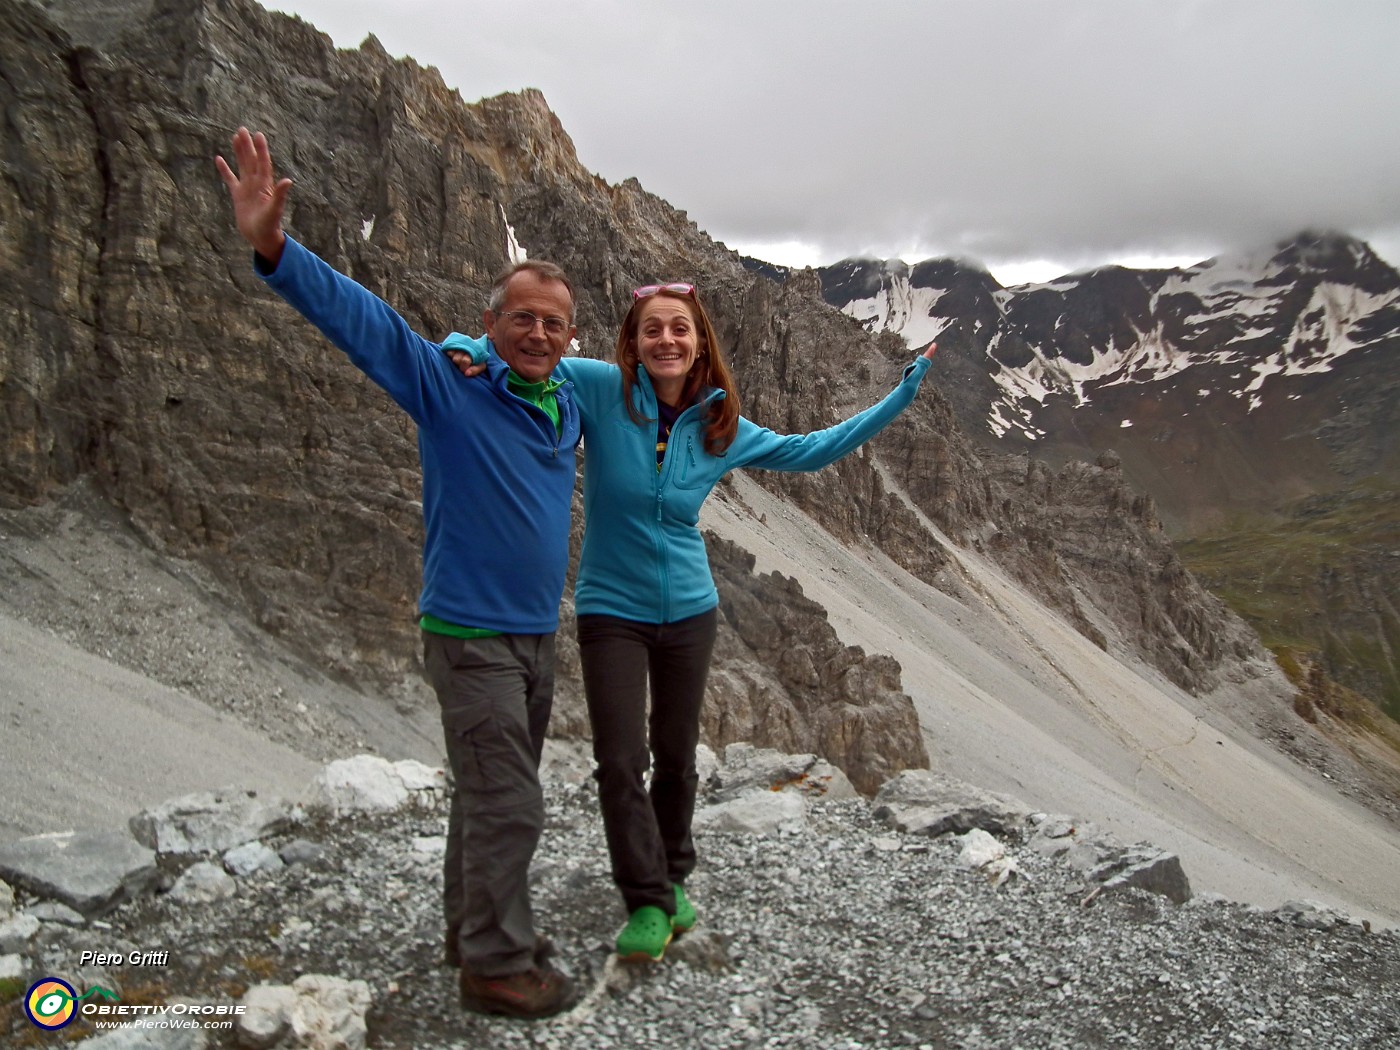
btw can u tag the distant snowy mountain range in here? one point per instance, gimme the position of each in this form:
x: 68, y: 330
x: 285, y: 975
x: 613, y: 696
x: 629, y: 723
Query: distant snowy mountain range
x: 1255, y: 397
x: 1064, y: 369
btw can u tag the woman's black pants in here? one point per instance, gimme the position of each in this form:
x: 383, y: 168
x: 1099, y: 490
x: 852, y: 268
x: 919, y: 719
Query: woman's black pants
x: 648, y: 831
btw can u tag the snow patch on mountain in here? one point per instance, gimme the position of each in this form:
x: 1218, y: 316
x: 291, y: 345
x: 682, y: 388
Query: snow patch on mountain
x: 1333, y: 314
x: 902, y: 308
x: 1149, y: 359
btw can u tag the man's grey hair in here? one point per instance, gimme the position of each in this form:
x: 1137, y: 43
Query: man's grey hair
x: 544, y: 270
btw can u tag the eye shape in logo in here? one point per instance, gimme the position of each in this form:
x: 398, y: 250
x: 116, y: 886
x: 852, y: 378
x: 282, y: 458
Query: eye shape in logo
x: 50, y: 1003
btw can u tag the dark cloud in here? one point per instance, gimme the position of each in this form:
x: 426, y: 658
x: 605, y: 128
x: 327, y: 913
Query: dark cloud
x: 1073, y: 132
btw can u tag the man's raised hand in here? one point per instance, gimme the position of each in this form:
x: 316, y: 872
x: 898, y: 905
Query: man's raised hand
x: 259, y: 199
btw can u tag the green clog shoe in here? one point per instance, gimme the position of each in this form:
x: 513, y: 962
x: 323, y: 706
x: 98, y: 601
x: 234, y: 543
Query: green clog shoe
x: 646, y: 934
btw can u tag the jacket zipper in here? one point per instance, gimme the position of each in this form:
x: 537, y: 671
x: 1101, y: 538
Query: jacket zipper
x: 557, y: 433
x: 689, y: 455
x: 663, y: 477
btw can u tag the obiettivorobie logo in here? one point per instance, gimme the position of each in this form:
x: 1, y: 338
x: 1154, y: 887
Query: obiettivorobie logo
x: 52, y: 1003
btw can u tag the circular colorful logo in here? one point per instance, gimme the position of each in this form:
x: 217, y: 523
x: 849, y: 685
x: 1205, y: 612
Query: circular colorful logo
x: 51, y: 1003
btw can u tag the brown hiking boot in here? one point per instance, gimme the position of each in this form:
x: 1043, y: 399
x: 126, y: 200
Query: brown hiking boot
x: 533, y: 993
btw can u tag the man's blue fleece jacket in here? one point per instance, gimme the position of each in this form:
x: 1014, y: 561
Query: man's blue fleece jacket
x: 643, y: 554
x: 497, y: 478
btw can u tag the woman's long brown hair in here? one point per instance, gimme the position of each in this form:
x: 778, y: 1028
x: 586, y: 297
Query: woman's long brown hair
x: 708, y: 371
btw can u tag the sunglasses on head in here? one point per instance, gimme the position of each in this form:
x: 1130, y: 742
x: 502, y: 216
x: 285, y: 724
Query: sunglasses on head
x: 651, y: 289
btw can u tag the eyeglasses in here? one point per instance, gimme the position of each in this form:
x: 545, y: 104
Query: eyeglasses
x: 524, y: 321
x: 651, y: 289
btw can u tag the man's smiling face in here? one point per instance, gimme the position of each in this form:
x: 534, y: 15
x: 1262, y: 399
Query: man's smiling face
x: 531, y: 353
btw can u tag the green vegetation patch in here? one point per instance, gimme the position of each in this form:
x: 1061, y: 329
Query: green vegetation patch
x: 1318, y: 579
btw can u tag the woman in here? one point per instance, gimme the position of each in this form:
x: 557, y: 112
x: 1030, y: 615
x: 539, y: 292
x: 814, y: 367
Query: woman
x: 661, y: 427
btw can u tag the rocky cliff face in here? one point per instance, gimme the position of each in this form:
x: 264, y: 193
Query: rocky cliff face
x: 141, y: 351
x: 787, y: 679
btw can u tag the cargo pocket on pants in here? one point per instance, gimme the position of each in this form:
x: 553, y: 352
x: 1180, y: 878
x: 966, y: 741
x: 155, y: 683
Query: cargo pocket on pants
x: 466, y: 712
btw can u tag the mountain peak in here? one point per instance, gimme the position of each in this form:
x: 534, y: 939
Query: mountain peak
x: 1311, y: 253
x: 1326, y: 251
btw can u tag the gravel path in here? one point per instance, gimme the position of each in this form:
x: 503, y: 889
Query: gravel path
x: 842, y: 935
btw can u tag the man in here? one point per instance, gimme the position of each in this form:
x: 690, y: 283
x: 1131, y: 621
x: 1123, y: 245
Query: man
x: 498, y: 478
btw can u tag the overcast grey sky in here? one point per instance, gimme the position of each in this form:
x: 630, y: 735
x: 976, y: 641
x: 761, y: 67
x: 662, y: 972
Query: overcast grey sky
x: 1036, y: 136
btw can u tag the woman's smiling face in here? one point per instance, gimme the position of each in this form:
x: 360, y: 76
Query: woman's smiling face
x: 668, y: 343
